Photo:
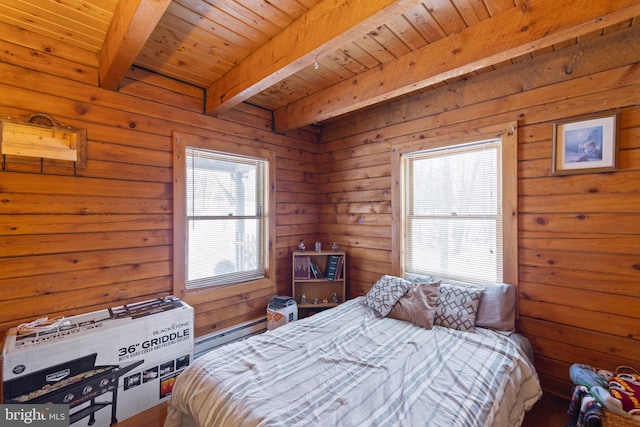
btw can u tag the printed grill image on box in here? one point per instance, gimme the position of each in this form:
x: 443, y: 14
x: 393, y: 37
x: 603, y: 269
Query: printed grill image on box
x: 107, y: 365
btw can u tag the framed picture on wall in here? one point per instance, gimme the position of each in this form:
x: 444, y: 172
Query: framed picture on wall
x: 585, y: 144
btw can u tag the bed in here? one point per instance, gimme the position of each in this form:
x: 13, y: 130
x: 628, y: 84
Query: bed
x: 358, y: 365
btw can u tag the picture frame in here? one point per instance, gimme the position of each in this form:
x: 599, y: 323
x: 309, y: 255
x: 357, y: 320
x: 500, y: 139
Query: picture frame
x: 585, y: 144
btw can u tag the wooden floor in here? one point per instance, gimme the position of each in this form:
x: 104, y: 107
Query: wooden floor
x: 153, y: 417
x: 550, y: 411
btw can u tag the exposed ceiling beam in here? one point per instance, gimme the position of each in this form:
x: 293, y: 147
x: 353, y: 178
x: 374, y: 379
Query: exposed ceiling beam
x: 327, y: 26
x: 533, y: 25
x: 132, y: 24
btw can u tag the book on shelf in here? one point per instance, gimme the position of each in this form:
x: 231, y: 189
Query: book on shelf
x: 332, y: 267
x: 339, y: 267
x: 315, y: 270
x: 302, y: 267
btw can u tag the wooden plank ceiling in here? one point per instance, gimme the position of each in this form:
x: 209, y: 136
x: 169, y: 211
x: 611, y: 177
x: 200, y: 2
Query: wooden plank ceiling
x: 312, y: 60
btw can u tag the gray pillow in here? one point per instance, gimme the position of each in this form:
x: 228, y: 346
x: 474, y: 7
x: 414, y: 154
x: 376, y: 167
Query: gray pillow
x: 418, y: 305
x: 457, y: 307
x: 385, y: 293
x: 497, y: 309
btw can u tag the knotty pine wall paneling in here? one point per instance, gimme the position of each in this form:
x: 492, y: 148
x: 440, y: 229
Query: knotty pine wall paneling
x: 103, y: 237
x: 579, y: 264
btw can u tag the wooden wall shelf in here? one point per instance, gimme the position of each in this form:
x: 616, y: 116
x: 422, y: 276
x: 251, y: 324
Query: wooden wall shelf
x: 39, y: 135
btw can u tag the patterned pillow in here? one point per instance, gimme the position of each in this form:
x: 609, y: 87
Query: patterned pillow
x: 457, y: 307
x: 385, y: 293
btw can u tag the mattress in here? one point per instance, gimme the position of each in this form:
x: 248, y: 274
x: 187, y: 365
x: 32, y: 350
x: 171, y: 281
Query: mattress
x: 347, y: 367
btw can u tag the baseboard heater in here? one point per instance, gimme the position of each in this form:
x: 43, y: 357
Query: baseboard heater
x: 208, y: 342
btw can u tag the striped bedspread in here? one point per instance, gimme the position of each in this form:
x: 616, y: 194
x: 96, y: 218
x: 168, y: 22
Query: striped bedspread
x: 345, y: 367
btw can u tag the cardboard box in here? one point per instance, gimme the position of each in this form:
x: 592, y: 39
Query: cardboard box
x: 280, y: 311
x: 107, y: 365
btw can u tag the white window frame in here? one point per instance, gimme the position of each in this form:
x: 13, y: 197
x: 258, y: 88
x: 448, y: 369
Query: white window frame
x: 180, y: 287
x: 508, y: 135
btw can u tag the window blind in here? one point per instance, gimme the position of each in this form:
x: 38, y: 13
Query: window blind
x: 225, y: 227
x: 452, y: 224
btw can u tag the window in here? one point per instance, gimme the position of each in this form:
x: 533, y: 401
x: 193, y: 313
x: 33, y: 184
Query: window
x: 453, y: 218
x: 458, y: 210
x: 225, y: 226
x: 221, y: 221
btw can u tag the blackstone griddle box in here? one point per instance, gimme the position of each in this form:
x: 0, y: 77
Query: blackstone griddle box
x: 125, y: 358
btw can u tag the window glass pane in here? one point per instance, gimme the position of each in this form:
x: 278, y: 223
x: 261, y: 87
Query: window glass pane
x: 224, y: 186
x: 235, y: 251
x: 461, y: 183
x: 454, y: 248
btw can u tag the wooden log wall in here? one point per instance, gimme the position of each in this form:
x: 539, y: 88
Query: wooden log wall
x: 72, y: 242
x: 579, y: 236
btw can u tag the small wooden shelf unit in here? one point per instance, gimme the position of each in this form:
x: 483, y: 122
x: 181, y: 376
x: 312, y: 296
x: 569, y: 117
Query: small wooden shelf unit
x: 318, y: 288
